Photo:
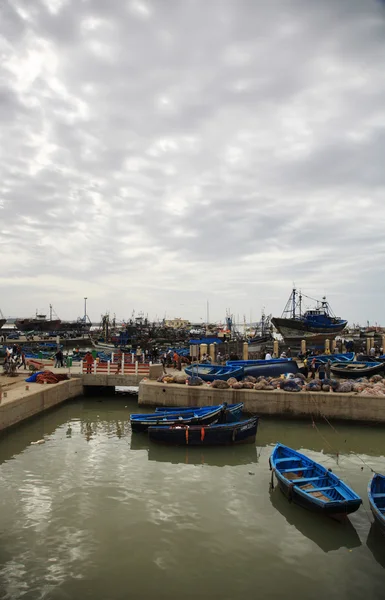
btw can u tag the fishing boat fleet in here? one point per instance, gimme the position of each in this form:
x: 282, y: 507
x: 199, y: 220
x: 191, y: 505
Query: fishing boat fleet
x: 303, y: 481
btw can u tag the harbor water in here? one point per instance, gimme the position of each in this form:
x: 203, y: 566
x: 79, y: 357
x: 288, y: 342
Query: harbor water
x: 98, y: 513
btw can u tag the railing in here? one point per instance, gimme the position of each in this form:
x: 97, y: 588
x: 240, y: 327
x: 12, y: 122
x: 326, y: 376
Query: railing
x: 115, y: 368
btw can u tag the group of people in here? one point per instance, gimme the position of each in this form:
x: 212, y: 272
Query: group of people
x: 14, y: 359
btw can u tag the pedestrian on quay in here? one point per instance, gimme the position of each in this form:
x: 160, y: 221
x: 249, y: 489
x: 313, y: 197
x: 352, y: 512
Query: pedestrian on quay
x: 328, y: 369
x: 22, y: 361
x: 305, y: 368
x: 89, y: 359
x: 312, y: 369
x: 59, y: 359
x: 288, y: 353
x: 321, y: 371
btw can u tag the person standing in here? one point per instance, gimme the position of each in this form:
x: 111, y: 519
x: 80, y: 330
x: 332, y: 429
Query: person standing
x: 22, y: 360
x: 328, y: 369
x: 312, y: 369
x: 89, y: 359
x: 321, y: 371
x: 268, y: 356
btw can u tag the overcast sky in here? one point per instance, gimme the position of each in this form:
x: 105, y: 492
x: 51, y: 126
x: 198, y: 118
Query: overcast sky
x: 159, y: 155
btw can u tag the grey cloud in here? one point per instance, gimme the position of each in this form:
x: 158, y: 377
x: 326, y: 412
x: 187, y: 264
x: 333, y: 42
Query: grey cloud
x: 193, y: 147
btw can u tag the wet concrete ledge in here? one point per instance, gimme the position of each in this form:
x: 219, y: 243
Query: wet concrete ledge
x: 349, y: 407
x: 21, y: 404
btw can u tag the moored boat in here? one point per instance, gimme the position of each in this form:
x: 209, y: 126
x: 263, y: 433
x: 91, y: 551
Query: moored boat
x: 352, y: 370
x: 376, y: 495
x: 314, y: 325
x: 235, y: 410
x: 324, y: 358
x: 209, y: 372
x: 311, y: 485
x: 240, y: 432
x: 269, y: 368
x: 141, y: 422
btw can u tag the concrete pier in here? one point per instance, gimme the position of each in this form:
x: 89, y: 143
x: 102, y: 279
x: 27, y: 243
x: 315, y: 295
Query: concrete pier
x: 349, y: 407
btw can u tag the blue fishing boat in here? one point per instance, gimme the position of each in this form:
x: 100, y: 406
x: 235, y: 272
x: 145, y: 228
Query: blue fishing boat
x: 213, y: 372
x: 268, y: 368
x: 376, y: 495
x: 314, y: 325
x: 235, y: 410
x: 141, y: 422
x: 227, y: 434
x: 324, y: 358
x: 311, y: 485
x: 259, y: 361
x: 352, y: 370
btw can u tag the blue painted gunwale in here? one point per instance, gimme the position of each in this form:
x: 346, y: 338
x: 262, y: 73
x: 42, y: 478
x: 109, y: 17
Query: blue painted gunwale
x: 227, y: 434
x: 353, y: 369
x: 140, y: 423
x: 252, y: 363
x: 209, y: 372
x: 343, y: 500
x: 338, y: 358
x: 234, y: 409
x: 376, y: 496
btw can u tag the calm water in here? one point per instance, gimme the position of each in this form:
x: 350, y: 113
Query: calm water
x: 96, y: 513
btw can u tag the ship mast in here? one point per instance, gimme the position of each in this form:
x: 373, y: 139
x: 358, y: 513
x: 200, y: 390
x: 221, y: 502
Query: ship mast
x: 293, y: 297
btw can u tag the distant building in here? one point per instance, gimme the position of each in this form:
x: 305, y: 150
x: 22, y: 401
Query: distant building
x: 177, y: 323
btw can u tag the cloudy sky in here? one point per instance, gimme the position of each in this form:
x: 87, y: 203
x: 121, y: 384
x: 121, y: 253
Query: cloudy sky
x: 159, y: 155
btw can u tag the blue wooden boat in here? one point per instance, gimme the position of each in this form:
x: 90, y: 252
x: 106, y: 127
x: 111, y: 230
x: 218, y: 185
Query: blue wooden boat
x: 140, y: 423
x: 259, y: 361
x: 324, y: 358
x: 235, y: 410
x: 352, y: 370
x: 212, y: 372
x: 271, y: 369
x: 376, y: 495
x: 227, y: 434
x: 311, y: 485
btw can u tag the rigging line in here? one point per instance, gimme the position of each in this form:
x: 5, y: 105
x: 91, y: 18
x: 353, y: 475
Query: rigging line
x: 339, y: 434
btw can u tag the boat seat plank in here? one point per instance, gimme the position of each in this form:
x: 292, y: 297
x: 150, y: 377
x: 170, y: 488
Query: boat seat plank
x: 320, y: 489
x: 295, y: 469
x: 378, y: 495
x: 279, y: 460
x: 305, y: 479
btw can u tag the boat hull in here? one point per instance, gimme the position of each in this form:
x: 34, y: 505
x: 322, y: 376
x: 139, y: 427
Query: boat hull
x: 235, y: 410
x: 37, y: 325
x: 293, y: 330
x: 140, y: 425
x: 376, y: 496
x: 311, y: 485
x: 352, y: 371
x: 271, y: 369
x: 241, y: 432
x: 214, y: 372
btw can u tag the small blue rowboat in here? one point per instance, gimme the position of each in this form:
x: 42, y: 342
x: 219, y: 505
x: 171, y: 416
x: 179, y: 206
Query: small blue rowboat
x: 140, y: 423
x: 376, y: 495
x: 324, y: 358
x: 212, y: 372
x: 311, y: 485
x: 235, y: 410
x: 352, y: 370
x: 271, y: 369
x: 259, y: 361
x: 228, y: 434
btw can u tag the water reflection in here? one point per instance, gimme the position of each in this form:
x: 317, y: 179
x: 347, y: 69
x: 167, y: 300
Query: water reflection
x: 376, y: 544
x: 217, y: 457
x: 327, y: 534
